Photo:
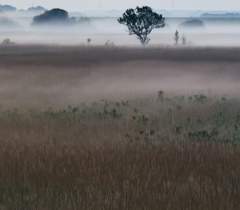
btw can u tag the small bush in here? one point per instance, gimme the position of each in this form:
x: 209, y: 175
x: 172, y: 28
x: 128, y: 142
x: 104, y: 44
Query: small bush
x: 192, y: 24
x: 109, y: 43
x: 7, y: 41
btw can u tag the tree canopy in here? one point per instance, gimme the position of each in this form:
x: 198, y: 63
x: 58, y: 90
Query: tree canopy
x: 52, y: 16
x: 141, y: 22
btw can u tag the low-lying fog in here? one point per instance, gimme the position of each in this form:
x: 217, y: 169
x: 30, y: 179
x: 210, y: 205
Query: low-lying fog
x: 18, y: 28
x: 40, y: 88
x: 43, y: 76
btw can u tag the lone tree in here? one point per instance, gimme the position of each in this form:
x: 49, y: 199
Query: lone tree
x: 141, y: 22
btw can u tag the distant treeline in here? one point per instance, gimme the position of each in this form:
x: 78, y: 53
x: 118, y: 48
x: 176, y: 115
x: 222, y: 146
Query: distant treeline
x: 225, y: 15
x: 9, y: 8
x: 57, y: 16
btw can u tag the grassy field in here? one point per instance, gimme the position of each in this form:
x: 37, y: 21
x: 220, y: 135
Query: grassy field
x: 119, y: 128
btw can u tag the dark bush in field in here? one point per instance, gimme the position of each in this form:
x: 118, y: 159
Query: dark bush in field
x: 192, y: 24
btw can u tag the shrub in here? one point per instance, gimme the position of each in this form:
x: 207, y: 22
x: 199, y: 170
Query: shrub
x: 192, y: 24
x: 109, y: 43
x: 7, y: 41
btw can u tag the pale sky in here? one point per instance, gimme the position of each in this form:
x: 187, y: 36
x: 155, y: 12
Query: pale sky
x: 78, y: 5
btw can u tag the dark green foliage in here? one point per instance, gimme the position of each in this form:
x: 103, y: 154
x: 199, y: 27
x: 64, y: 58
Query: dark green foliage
x: 146, y: 137
x: 141, y: 22
x: 168, y: 122
x: 53, y: 16
x: 66, y: 114
x: 203, y: 135
x: 200, y: 98
x: 109, y: 109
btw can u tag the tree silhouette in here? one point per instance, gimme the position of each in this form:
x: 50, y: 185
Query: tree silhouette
x: 52, y: 16
x: 141, y: 22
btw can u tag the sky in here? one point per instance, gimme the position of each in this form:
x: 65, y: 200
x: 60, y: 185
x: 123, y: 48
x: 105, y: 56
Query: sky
x: 78, y: 5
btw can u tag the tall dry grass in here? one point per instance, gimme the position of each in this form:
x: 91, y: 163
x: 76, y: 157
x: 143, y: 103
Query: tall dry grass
x: 136, y: 157
x: 62, y: 56
x: 36, y: 76
x: 150, y: 150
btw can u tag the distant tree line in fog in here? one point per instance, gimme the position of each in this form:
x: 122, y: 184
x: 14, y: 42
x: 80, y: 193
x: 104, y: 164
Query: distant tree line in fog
x: 223, y: 15
x: 57, y: 16
x: 192, y: 23
x: 7, y: 8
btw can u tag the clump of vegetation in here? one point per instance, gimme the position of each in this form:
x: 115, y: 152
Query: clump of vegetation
x: 192, y: 24
x: 109, y: 43
x: 89, y: 41
x: 7, y: 41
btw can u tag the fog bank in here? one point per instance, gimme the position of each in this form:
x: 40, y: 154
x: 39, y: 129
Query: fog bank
x: 215, y: 31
